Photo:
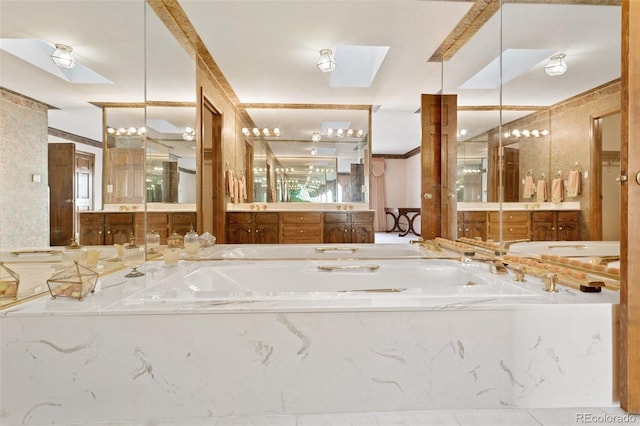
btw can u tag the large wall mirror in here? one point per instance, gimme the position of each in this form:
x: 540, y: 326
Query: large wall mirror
x: 310, y: 154
x: 517, y: 124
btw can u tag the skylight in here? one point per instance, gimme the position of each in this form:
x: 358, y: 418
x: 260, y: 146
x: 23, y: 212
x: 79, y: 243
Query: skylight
x: 514, y: 63
x: 357, y: 66
x: 38, y: 53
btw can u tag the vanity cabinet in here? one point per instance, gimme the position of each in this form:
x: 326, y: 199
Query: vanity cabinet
x: 117, y: 227
x: 348, y: 227
x: 105, y: 228
x: 516, y: 225
x: 472, y: 225
x: 301, y: 228
x: 91, y: 229
x: 252, y: 227
x: 555, y: 226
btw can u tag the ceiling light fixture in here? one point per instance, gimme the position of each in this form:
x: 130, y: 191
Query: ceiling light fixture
x: 62, y: 56
x: 556, y: 65
x: 326, y: 62
x: 189, y: 134
x: 316, y: 137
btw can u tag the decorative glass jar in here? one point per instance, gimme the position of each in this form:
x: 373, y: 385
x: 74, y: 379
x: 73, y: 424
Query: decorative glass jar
x: 73, y: 252
x: 207, y: 241
x: 133, y: 257
x: 175, y: 240
x: 191, y: 243
x: 153, y: 241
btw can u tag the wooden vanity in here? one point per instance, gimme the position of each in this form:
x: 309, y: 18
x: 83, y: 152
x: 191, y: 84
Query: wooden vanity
x: 536, y: 225
x: 299, y: 227
x: 107, y: 228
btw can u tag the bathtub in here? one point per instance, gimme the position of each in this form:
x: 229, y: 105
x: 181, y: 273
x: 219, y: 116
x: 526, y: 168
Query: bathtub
x: 255, y: 337
x: 430, y: 281
x: 322, y: 251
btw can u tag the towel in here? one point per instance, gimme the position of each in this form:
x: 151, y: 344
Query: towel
x: 229, y: 182
x: 574, y: 184
x: 243, y: 188
x: 529, y: 189
x: 541, y: 191
x: 557, y: 190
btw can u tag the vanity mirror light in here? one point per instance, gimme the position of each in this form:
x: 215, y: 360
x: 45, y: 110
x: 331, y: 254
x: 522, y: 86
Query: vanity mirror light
x: 321, y: 154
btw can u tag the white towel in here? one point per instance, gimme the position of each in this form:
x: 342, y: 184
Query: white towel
x: 574, y: 184
x: 529, y: 189
x: 557, y: 191
x: 541, y: 191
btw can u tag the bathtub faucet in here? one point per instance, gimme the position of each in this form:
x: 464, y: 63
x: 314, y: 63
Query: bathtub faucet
x: 504, y: 245
x: 429, y: 244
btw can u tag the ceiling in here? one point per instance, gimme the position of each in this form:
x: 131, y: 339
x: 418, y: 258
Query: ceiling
x: 267, y: 51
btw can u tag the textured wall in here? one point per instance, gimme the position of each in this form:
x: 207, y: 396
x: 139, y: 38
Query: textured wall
x: 24, y: 205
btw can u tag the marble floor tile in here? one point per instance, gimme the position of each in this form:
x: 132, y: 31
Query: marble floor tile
x: 273, y: 420
x: 417, y: 418
x: 346, y: 419
x: 495, y: 417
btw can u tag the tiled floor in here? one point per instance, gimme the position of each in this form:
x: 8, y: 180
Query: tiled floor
x: 477, y: 417
x: 393, y: 238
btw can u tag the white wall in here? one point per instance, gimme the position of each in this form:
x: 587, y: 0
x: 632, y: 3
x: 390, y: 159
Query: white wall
x: 402, y: 182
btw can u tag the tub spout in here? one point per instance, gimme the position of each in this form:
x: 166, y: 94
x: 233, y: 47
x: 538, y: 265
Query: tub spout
x: 504, y: 245
x: 429, y: 244
x: 498, y: 268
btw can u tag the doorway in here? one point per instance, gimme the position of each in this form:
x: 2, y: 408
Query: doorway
x: 211, y: 210
x: 605, y: 201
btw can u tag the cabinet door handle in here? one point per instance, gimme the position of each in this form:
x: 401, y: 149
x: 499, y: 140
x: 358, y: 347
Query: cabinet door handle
x: 560, y: 228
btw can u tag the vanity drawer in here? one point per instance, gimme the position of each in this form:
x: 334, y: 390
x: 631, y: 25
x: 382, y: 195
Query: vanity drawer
x: 362, y: 217
x: 306, y: 233
x: 233, y: 218
x: 301, y: 218
x: 118, y: 218
x: 509, y: 217
x: 542, y: 216
x: 572, y: 216
x: 91, y: 218
x: 475, y: 217
x: 336, y: 217
x: 510, y: 232
x: 267, y: 218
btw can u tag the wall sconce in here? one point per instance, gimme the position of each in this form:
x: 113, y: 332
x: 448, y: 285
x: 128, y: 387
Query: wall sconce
x: 515, y: 133
x: 62, y: 56
x: 326, y: 62
x: 264, y: 132
x: 556, y: 65
x: 131, y: 131
x: 340, y: 133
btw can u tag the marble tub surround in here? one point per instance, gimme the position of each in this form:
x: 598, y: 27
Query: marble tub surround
x: 137, y: 356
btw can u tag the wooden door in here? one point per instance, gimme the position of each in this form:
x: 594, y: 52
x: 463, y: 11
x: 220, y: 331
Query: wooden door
x: 511, y: 174
x: 438, y: 165
x: 211, y: 194
x: 85, y: 163
x: 127, y: 175
x: 62, y: 158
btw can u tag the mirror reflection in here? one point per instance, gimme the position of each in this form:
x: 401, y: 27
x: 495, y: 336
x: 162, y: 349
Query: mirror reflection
x: 309, y: 154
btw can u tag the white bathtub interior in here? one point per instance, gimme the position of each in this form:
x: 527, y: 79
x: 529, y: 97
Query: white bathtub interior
x: 321, y: 251
x: 314, y: 279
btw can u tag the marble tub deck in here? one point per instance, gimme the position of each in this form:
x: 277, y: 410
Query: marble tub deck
x: 117, y: 359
